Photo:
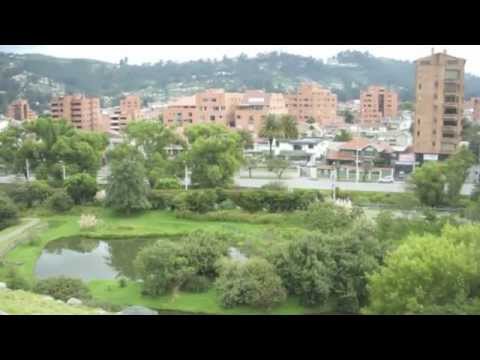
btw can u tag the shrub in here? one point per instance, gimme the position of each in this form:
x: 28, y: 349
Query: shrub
x: 31, y: 193
x: 8, y: 212
x: 275, y: 186
x: 60, y: 201
x: 329, y: 217
x: 63, y: 288
x: 200, y: 200
x: 15, y: 281
x: 81, y: 188
x: 167, y: 183
x: 251, y: 201
x: 227, y: 205
x: 197, y: 284
x: 203, y: 249
x: 161, y: 200
x: 252, y: 283
x: 88, y: 222
x: 162, y: 267
x: 122, y: 282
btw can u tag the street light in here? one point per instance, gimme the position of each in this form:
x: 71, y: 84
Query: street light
x: 357, y: 175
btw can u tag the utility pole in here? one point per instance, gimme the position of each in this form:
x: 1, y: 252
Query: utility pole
x: 357, y: 176
x: 333, y: 177
x: 64, y: 172
x: 186, y: 177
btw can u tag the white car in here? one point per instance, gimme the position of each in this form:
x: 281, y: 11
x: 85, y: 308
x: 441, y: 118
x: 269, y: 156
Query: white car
x: 386, y: 180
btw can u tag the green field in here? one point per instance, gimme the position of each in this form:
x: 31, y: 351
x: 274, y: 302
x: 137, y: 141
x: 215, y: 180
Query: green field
x: 255, y: 239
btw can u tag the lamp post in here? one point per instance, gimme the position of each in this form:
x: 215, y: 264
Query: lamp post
x: 357, y: 175
x: 333, y: 177
x: 186, y: 177
x: 27, y: 169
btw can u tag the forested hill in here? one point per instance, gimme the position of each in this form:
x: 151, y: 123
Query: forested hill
x: 38, y: 77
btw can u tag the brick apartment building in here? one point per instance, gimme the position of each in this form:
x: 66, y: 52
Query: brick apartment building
x: 217, y: 106
x: 255, y: 106
x: 377, y: 104
x: 313, y: 101
x: 129, y: 110
x: 81, y: 111
x: 20, y: 110
x: 439, y: 105
x: 130, y: 106
x: 181, y: 111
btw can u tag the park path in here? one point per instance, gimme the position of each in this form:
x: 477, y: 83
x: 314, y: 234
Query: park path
x: 9, y: 235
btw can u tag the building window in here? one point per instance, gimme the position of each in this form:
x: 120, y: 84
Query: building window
x: 434, y: 144
x: 216, y: 108
x: 310, y: 146
x: 212, y: 118
x: 419, y: 86
x: 214, y: 100
x: 190, y: 114
x: 418, y: 133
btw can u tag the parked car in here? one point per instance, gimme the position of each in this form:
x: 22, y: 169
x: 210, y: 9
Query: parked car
x: 386, y: 180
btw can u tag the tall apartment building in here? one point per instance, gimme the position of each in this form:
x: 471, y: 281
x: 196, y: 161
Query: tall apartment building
x: 81, y: 111
x: 217, y: 106
x: 377, y: 104
x: 313, y: 101
x: 182, y: 111
x: 131, y: 105
x: 20, y: 110
x: 439, y: 105
x: 255, y: 106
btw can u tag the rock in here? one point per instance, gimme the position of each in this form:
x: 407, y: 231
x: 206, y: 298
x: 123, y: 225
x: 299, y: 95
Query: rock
x: 101, y: 312
x: 74, y: 302
x: 3, y: 312
x: 3, y: 286
x: 49, y: 298
x: 138, y: 310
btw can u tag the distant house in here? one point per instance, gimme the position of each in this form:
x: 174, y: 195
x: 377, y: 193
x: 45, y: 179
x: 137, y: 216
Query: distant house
x: 381, y: 154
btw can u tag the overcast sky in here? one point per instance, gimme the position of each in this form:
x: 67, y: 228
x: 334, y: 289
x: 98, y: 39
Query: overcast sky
x: 138, y: 54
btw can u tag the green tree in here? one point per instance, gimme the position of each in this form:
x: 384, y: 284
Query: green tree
x: 31, y: 193
x: 428, y: 184
x: 456, y: 172
x: 213, y: 160
x: 162, y: 267
x: 8, y: 212
x: 251, y: 163
x: 277, y: 165
x: 60, y: 201
x: 81, y: 188
x: 127, y: 189
x: 271, y: 129
x: 344, y: 135
x: 247, y: 138
x: 253, y: 283
x: 427, y: 271
x: 348, y: 117
x: 288, y: 126
x: 306, y: 268
x: 203, y: 250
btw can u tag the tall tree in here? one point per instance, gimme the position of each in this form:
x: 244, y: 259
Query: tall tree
x: 271, y: 129
x: 288, y: 126
x: 127, y: 189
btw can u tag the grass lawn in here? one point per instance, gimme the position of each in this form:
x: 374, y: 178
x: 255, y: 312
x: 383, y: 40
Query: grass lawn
x: 153, y: 223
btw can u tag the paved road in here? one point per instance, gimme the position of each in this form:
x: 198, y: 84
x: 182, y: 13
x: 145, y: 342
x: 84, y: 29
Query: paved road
x: 324, y: 184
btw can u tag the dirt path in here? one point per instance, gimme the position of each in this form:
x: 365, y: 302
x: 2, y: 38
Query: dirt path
x: 9, y: 236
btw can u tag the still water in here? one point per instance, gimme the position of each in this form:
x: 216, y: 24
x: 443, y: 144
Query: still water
x: 90, y: 259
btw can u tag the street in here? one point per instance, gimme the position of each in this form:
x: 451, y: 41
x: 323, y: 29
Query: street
x: 325, y: 184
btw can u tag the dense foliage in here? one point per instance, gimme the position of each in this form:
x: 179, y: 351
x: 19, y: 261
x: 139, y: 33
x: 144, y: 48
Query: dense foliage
x: 81, y: 188
x: 63, y: 288
x: 253, y: 282
x: 60, y: 201
x: 8, y: 212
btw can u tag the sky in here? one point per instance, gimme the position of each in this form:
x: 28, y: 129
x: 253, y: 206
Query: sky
x: 139, y: 54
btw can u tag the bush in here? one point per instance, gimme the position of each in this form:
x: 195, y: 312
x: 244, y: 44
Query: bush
x: 227, y: 205
x: 162, y: 267
x: 251, y: 201
x: 63, y: 288
x: 253, y: 283
x: 161, y: 200
x: 203, y: 249
x: 329, y: 217
x: 167, y: 183
x: 197, y: 284
x: 31, y: 193
x: 122, y: 282
x: 81, y: 188
x: 15, y: 281
x: 8, y: 212
x: 201, y: 200
x: 275, y: 186
x: 60, y: 201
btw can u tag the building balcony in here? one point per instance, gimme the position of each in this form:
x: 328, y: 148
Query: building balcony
x: 447, y: 148
x: 450, y: 129
x: 449, y: 140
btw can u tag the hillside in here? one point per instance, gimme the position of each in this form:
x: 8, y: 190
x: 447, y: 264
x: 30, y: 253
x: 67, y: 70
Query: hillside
x: 37, y: 77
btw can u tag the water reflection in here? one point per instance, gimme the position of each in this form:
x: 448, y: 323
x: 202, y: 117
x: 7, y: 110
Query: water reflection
x: 90, y: 259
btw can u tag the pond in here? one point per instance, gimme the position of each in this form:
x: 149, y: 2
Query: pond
x: 94, y: 259
x: 90, y: 259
